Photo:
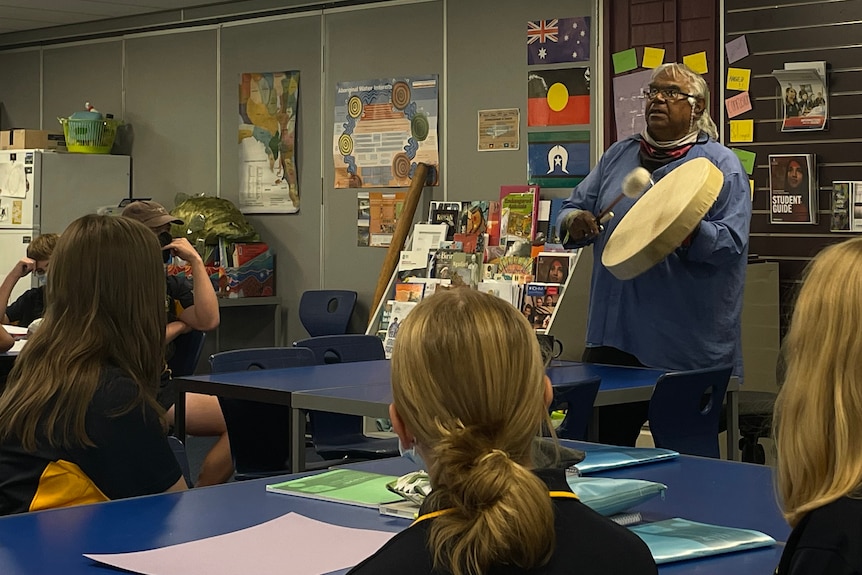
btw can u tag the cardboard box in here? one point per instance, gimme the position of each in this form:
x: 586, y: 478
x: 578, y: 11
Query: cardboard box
x: 31, y: 139
x: 255, y: 278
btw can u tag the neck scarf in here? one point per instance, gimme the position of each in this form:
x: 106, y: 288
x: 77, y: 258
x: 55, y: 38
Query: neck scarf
x: 654, y: 154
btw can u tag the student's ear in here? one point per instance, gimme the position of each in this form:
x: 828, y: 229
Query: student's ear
x: 399, y: 428
x: 549, y: 392
x: 699, y: 105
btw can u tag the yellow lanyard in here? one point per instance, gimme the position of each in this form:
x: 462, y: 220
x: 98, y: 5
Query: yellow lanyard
x: 433, y: 514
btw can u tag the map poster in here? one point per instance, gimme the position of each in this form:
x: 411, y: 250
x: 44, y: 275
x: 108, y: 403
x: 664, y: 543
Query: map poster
x: 499, y: 129
x: 267, y: 143
x: 383, y: 129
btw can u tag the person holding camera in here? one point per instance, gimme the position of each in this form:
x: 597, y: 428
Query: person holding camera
x: 189, y: 306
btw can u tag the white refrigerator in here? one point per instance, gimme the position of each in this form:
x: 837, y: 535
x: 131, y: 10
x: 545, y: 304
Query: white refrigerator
x: 43, y: 192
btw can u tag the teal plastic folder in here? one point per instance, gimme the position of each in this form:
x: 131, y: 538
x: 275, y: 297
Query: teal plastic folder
x: 603, y: 457
x: 679, y: 539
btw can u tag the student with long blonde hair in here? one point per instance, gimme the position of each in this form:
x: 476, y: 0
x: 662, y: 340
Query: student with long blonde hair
x: 470, y: 395
x: 79, y: 421
x: 818, y: 418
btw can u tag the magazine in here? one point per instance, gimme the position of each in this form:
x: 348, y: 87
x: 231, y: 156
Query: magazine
x: 793, y: 189
x: 399, y: 311
x: 553, y: 267
x: 519, y: 212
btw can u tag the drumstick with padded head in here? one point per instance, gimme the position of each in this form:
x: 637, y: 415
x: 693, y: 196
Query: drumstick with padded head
x: 634, y: 184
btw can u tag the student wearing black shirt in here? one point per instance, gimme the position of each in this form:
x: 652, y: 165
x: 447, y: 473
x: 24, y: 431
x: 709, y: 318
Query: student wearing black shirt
x: 79, y: 421
x: 818, y: 419
x: 469, y: 396
x: 30, y: 305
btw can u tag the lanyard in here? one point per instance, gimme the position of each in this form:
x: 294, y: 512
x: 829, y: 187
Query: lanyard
x: 433, y: 514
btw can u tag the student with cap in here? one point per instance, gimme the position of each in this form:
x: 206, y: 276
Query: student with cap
x: 188, y: 307
x: 28, y: 307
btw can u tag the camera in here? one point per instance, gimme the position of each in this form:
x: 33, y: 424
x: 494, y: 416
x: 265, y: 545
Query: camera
x: 165, y: 239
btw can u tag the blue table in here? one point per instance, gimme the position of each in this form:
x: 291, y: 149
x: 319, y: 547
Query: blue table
x: 362, y: 388
x: 729, y: 493
x: 619, y: 385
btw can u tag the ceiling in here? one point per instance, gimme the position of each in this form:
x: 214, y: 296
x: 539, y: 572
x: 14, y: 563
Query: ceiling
x: 20, y: 15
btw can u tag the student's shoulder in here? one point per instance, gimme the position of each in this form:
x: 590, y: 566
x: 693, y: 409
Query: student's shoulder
x: 837, y: 522
x: 611, y: 547
x: 406, y: 552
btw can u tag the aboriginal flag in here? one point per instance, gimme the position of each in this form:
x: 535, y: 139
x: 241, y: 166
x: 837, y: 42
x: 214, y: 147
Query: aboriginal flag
x: 558, y: 97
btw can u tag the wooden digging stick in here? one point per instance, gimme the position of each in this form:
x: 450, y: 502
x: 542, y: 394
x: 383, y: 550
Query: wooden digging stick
x: 402, y: 229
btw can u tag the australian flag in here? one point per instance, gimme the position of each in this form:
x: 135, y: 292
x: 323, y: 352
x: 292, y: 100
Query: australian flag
x: 558, y: 41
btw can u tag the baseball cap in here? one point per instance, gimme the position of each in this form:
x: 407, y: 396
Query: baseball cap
x: 151, y: 214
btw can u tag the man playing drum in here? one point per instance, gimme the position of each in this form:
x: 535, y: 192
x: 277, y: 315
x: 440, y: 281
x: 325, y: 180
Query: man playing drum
x: 684, y: 312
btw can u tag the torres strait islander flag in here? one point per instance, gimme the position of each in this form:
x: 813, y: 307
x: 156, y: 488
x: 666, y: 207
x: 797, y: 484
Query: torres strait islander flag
x: 558, y: 97
x: 558, y: 41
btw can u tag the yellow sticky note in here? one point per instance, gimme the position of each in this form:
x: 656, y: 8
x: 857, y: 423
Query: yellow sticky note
x: 738, y: 79
x: 653, y: 57
x: 696, y: 62
x: 751, y: 185
x: 742, y: 130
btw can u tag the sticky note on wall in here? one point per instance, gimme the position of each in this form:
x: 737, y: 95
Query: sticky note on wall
x: 625, y: 61
x: 696, y: 62
x: 747, y: 158
x: 653, y: 57
x: 738, y: 79
x: 742, y: 130
x: 738, y: 104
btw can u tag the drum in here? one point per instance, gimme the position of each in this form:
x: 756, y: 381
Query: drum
x: 661, y: 220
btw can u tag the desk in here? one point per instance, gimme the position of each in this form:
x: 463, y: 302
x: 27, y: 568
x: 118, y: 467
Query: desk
x: 735, y: 494
x: 619, y: 385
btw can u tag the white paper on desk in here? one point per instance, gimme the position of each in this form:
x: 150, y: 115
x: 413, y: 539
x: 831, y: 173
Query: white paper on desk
x: 15, y: 329
x: 18, y: 345
x: 291, y: 544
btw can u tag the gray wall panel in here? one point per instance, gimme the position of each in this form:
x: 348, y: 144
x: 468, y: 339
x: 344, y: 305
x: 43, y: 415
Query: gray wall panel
x: 292, y: 44
x: 19, y: 90
x: 363, y: 45
x: 75, y: 75
x: 171, y: 104
x: 487, y: 68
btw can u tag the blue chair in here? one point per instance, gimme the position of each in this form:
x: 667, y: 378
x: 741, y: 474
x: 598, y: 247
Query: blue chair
x: 685, y: 409
x: 182, y: 458
x: 339, y: 436
x: 578, y: 399
x: 187, y: 353
x: 326, y: 312
x: 259, y: 433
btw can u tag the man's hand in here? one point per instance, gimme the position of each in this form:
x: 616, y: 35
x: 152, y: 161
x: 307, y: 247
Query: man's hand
x: 24, y: 267
x: 182, y: 248
x: 581, y: 225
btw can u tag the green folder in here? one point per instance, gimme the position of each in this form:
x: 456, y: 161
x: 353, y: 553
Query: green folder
x: 341, y: 486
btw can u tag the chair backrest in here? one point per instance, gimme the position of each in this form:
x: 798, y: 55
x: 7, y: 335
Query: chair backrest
x: 259, y: 433
x: 187, y: 353
x: 332, y: 429
x: 344, y: 348
x: 578, y: 398
x: 685, y: 409
x: 261, y: 358
x: 326, y: 312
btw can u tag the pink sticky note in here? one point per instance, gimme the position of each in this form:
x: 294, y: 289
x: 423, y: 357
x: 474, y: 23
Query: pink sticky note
x: 737, y: 105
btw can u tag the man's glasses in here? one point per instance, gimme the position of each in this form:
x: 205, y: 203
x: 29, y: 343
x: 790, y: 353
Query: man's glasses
x: 668, y: 94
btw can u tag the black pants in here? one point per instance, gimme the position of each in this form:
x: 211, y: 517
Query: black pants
x: 618, y: 424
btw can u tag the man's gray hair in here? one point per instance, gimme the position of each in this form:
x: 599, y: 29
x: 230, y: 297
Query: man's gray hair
x: 697, y: 87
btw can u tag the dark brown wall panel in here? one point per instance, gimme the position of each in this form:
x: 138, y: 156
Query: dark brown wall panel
x: 794, y: 31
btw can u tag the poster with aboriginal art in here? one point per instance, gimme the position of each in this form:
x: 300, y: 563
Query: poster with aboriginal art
x: 267, y: 143
x: 383, y: 129
x: 793, y: 189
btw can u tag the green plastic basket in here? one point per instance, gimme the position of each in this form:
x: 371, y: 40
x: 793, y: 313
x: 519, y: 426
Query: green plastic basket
x: 89, y: 136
